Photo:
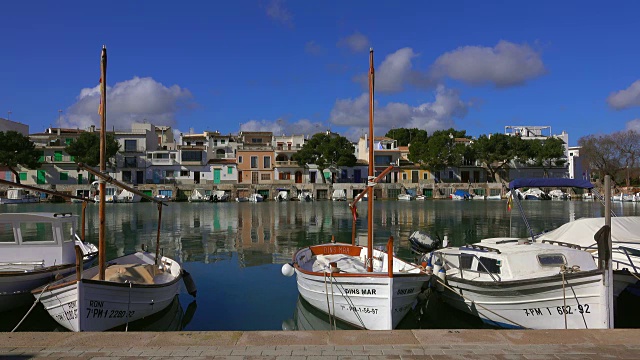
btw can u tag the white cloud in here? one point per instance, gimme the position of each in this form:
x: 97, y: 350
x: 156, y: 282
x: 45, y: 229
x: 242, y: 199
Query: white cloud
x: 430, y: 116
x: 395, y: 71
x: 277, y: 10
x: 282, y: 126
x: 634, y: 125
x: 313, y: 48
x: 355, y: 42
x: 129, y: 101
x: 626, y: 98
x: 506, y: 64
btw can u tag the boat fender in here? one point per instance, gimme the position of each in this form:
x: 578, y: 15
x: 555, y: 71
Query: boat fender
x: 189, y: 283
x: 287, y: 269
x: 445, y: 242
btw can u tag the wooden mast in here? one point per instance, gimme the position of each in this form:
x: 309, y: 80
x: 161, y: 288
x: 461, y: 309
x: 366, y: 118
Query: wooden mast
x: 371, y: 170
x: 103, y: 162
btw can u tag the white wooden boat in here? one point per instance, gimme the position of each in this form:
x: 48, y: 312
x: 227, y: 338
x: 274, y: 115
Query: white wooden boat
x: 535, y: 194
x: 18, y: 196
x: 373, y: 300
x: 587, y: 196
x: 305, y: 196
x: 512, y: 283
x: 219, y: 196
x: 558, y: 194
x: 198, y: 195
x: 242, y: 199
x: 421, y: 197
x: 494, y: 197
x: 127, y: 288
x: 255, y: 197
x: 126, y: 196
x: 110, y: 193
x: 35, y: 248
x: 359, y: 285
x: 134, y: 287
x: 405, y: 197
x: 282, y: 195
x: 339, y: 195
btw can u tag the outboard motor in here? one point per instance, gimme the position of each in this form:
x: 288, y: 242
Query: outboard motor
x: 422, y: 243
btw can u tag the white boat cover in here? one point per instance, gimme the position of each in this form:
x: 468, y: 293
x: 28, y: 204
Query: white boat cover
x: 580, y: 232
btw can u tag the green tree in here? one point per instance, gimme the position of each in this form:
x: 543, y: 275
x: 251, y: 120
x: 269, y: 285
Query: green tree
x: 86, y: 148
x: 405, y: 137
x: 439, y: 150
x: 16, y: 149
x: 497, y: 150
x: 326, y: 151
x: 546, y: 153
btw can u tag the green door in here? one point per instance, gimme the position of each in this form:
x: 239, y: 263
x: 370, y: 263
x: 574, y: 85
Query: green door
x: 79, y: 179
x: 216, y: 176
x: 41, y: 179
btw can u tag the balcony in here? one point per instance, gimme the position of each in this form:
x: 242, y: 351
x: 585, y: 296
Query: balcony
x: 288, y: 163
x: 59, y: 159
x: 132, y: 149
x: 286, y: 148
x: 162, y: 162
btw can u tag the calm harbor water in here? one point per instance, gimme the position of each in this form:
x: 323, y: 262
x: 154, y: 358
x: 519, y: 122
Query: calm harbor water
x: 235, y: 251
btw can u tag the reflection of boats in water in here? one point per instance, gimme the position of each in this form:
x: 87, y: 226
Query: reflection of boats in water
x: 173, y: 318
x: 306, y: 317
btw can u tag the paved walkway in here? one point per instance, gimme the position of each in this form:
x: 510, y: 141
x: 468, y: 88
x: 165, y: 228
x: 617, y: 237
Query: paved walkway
x: 321, y: 345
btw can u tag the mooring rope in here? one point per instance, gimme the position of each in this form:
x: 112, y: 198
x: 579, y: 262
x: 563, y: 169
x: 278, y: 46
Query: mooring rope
x: 32, y: 306
x: 473, y: 302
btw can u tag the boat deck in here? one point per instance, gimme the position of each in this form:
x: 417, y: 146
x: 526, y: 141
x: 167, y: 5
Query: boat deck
x: 341, y: 344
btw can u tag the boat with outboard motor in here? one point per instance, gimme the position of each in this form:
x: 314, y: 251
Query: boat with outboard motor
x: 365, y: 287
x: 526, y: 283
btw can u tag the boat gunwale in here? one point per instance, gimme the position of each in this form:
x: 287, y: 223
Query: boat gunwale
x: 346, y: 275
x: 530, y: 281
x: 38, y: 271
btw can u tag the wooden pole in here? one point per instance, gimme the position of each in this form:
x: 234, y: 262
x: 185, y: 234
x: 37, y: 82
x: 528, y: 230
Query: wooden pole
x: 103, y: 163
x: 371, y: 170
x: 158, y: 236
x: 608, y: 272
x: 390, y: 256
x: 84, y: 219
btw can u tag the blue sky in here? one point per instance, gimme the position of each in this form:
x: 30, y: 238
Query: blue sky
x: 298, y: 66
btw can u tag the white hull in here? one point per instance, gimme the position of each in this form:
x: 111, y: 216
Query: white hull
x: 368, y: 300
x: 405, y: 197
x: 94, y: 305
x: 15, y: 288
x: 535, y: 304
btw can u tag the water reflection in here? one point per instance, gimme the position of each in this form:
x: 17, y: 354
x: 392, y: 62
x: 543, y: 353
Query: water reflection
x: 234, y: 251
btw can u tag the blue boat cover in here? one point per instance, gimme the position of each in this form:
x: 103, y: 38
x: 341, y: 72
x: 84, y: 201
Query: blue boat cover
x: 462, y: 193
x: 550, y: 182
x: 411, y: 192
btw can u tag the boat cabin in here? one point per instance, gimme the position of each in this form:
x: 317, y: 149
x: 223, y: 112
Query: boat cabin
x: 502, y: 259
x: 31, y: 241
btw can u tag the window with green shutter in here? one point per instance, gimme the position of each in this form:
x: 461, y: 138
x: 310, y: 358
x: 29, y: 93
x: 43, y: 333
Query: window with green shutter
x: 68, y: 141
x: 64, y: 176
x: 41, y: 158
x: 229, y: 170
x: 23, y: 176
x: 57, y: 155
